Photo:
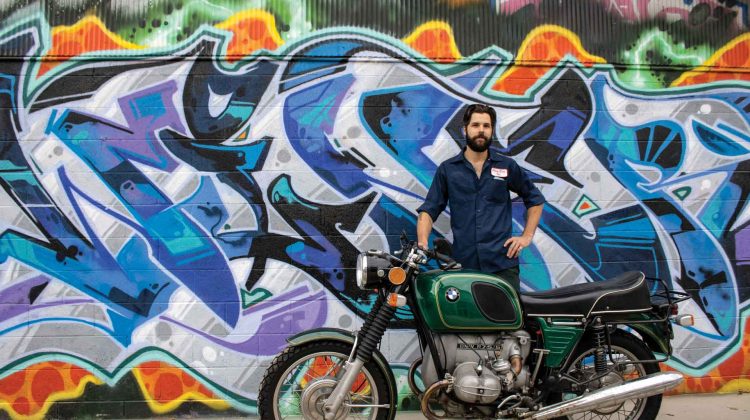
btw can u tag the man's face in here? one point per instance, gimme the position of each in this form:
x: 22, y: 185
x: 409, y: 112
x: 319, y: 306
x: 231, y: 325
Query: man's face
x: 479, y: 132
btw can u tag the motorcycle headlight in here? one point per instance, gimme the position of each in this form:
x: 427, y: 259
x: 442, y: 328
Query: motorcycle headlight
x: 372, y: 272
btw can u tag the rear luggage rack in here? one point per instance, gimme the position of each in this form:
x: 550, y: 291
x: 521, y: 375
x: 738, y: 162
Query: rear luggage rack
x: 663, y: 300
x: 662, y: 297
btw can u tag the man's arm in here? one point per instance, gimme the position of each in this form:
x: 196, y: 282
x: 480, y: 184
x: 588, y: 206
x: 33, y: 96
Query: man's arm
x: 424, y: 227
x: 434, y: 204
x: 517, y: 243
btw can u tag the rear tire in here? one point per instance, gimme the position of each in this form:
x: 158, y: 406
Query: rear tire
x: 301, y: 377
x: 623, y: 345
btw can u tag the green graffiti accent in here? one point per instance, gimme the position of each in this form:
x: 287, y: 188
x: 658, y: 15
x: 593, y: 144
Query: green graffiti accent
x: 407, y: 401
x: 656, y: 60
x: 254, y: 296
x: 169, y: 22
x: 585, y: 206
x: 282, y: 192
x: 682, y: 192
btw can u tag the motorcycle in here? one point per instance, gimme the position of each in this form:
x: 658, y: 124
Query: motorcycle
x: 579, y: 351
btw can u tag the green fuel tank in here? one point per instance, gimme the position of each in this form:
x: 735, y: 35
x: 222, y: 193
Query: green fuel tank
x: 467, y: 300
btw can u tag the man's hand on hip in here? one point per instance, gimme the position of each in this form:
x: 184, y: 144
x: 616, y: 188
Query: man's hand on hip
x: 516, y: 244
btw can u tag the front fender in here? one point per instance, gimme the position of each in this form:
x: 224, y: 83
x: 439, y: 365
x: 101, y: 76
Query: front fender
x: 335, y: 334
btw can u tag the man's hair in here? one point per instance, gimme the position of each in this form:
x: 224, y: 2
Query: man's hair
x: 480, y: 109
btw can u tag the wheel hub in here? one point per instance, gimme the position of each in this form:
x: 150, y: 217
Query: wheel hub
x: 611, y: 378
x: 314, y: 397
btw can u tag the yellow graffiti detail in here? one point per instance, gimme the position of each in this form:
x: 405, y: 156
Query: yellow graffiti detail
x: 86, y: 24
x: 435, y: 41
x: 187, y: 393
x: 543, y: 47
x: 39, y: 409
x: 735, y: 386
x: 251, y: 30
x: 706, y: 72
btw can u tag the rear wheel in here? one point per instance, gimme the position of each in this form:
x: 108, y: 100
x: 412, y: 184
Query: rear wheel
x: 300, y: 379
x: 624, y: 349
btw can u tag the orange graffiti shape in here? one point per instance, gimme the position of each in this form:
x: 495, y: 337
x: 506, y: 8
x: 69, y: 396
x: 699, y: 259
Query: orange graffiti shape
x: 435, y: 41
x: 87, y: 35
x: 252, y: 30
x: 732, y: 375
x: 543, y: 48
x: 29, y: 393
x: 730, y: 62
x: 165, y: 387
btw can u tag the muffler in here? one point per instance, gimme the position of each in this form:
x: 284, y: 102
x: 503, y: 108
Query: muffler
x: 649, y: 385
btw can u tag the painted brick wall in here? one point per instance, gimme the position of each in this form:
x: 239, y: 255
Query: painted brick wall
x: 186, y: 185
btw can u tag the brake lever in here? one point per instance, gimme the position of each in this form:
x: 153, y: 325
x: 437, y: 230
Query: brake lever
x: 450, y: 266
x: 447, y: 263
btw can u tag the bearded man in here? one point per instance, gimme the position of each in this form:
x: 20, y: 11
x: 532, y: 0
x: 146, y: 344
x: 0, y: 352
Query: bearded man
x: 476, y: 185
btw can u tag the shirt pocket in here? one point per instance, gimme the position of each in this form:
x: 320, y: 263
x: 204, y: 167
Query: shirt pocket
x: 496, y: 190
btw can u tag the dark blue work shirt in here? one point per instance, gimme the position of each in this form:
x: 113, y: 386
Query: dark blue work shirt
x: 480, y: 207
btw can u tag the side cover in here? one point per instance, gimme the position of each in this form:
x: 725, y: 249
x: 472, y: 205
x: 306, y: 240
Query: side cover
x: 467, y: 301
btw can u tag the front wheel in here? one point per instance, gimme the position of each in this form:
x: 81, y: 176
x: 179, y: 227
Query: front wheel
x: 301, y: 378
x: 625, y: 349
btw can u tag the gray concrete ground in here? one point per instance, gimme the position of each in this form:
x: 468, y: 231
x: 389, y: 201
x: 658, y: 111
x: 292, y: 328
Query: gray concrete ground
x: 679, y: 407
x: 684, y: 407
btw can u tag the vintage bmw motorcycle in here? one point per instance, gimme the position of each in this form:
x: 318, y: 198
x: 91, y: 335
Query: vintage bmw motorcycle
x: 580, y: 351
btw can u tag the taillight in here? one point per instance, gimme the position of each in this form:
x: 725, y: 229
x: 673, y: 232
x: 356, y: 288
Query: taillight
x: 675, y: 310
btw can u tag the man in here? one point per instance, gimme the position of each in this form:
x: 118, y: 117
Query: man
x: 476, y: 184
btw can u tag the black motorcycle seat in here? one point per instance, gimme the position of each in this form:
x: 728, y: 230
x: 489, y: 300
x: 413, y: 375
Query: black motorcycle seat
x: 627, y: 292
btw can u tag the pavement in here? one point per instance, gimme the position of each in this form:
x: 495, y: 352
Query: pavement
x: 677, y: 407
x: 683, y: 407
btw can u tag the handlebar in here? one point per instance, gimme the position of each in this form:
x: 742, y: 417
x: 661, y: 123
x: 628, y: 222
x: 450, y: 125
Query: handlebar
x: 447, y: 262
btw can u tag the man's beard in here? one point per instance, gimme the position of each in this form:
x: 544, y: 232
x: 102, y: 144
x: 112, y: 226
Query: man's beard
x: 475, y: 146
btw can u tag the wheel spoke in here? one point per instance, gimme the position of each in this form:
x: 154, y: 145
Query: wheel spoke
x: 583, y: 368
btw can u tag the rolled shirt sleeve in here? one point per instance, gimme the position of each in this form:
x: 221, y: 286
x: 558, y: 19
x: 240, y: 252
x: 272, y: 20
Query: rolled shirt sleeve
x: 437, y: 196
x: 520, y: 183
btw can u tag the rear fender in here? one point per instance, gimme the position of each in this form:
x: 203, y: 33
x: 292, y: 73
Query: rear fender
x: 654, y: 336
x: 335, y: 334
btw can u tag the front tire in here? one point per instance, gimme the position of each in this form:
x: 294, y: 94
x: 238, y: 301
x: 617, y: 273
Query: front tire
x: 299, y: 380
x: 624, y: 347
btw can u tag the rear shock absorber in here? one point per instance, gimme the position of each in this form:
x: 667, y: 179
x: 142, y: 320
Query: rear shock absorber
x: 600, y: 340
x: 372, y: 330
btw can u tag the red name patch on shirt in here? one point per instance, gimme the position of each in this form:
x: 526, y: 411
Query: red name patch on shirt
x: 499, y: 172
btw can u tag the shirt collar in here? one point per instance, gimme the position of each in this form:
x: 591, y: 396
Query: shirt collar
x: 494, y: 156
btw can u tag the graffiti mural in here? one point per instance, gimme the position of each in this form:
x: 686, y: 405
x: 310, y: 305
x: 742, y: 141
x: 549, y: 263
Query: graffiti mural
x: 185, y: 186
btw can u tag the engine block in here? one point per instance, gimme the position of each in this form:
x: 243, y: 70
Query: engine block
x: 482, y: 365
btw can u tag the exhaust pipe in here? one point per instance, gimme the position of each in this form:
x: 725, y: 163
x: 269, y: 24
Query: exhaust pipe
x: 646, y: 386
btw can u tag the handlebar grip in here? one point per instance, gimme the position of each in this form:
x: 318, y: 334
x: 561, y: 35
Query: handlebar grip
x: 444, y: 258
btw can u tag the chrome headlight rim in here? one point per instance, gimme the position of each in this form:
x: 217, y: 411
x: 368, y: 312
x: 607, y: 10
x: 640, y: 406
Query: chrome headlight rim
x: 361, y: 270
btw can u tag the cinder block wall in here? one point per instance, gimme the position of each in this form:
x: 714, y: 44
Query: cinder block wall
x: 185, y: 184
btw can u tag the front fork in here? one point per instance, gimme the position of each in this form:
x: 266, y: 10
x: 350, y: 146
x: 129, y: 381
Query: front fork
x: 367, y: 341
x: 334, y: 401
